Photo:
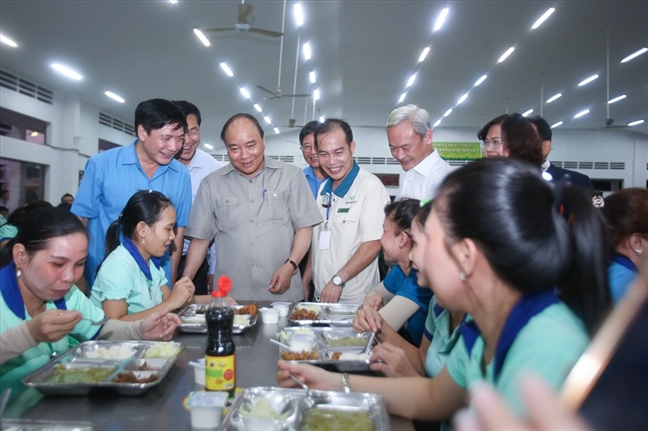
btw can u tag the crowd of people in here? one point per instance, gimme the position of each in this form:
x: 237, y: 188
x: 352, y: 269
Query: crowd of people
x: 498, y: 268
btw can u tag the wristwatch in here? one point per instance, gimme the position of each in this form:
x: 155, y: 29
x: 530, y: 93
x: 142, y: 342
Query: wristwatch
x: 337, y: 280
x: 293, y: 264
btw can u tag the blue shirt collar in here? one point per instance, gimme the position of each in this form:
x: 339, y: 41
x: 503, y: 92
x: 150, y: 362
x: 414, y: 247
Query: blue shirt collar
x: 344, y: 186
x: 525, y: 309
x: 625, y: 262
x: 139, y: 259
x: 11, y: 292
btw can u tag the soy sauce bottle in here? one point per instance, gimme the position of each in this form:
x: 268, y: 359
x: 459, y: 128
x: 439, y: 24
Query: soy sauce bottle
x: 220, y: 357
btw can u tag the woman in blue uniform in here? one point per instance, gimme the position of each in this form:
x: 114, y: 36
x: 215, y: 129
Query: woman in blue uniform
x: 499, y: 249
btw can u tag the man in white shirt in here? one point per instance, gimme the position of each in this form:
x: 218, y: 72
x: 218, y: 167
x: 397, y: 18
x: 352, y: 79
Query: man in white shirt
x: 200, y: 164
x: 352, y: 200
x: 409, y: 133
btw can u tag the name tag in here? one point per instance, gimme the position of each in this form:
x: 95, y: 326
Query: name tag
x: 325, y: 240
x: 343, y: 210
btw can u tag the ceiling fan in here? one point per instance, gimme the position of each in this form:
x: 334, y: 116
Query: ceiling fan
x: 278, y: 94
x: 243, y: 24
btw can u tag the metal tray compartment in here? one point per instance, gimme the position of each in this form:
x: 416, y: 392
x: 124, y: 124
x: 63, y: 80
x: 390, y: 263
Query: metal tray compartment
x: 193, y: 320
x: 36, y: 425
x: 325, y: 339
x: 292, y: 407
x: 74, y: 361
x: 327, y: 314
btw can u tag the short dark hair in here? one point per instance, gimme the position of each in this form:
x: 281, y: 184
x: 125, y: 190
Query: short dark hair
x: 146, y: 206
x: 308, y: 129
x: 331, y: 124
x: 521, y: 140
x: 18, y: 215
x: 235, y: 117
x: 66, y: 195
x: 544, y: 129
x: 626, y: 211
x: 188, y: 109
x: 402, y: 213
x: 156, y: 113
x: 38, y: 228
x: 483, y: 132
x: 527, y: 242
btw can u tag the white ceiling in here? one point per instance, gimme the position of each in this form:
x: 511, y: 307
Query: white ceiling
x: 363, y: 53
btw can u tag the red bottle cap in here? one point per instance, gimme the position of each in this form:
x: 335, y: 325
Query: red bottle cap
x: 224, y: 286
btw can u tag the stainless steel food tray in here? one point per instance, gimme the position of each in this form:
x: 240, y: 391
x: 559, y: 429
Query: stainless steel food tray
x: 193, y: 320
x: 294, y: 404
x: 75, y: 358
x: 36, y: 425
x: 329, y: 314
x: 326, y: 343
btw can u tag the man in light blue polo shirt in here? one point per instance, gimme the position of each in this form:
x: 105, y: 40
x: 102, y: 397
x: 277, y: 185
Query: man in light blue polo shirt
x: 112, y: 177
x: 315, y: 175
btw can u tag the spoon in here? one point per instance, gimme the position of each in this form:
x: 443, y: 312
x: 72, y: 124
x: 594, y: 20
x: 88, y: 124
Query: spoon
x: 7, y: 392
x: 279, y: 343
x: 299, y: 382
x: 369, y: 343
x: 97, y: 322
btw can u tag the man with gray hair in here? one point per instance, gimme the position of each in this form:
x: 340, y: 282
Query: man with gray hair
x: 409, y: 133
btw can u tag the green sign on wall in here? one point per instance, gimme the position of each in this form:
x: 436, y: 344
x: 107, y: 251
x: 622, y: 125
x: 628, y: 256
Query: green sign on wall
x: 458, y: 150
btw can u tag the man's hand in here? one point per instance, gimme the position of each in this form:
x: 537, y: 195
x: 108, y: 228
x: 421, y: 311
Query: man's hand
x: 52, y: 325
x: 281, y: 279
x: 331, y: 293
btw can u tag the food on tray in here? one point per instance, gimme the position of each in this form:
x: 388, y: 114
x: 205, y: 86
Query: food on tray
x: 346, y: 341
x: 260, y: 408
x: 325, y: 419
x: 349, y: 356
x: 162, y: 350
x: 65, y: 375
x: 144, y: 367
x: 121, y: 351
x: 304, y: 355
x: 248, y: 309
x: 241, y: 320
x: 130, y: 377
x: 315, y: 308
x: 303, y: 314
x: 285, y: 336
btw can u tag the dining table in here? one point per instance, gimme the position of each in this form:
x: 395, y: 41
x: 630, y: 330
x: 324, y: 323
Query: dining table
x: 163, y: 407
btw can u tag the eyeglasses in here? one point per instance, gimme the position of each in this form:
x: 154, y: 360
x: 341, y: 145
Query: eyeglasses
x: 193, y: 133
x: 491, y: 144
x: 306, y: 148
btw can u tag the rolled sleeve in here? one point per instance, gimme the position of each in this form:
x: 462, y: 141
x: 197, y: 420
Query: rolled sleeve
x: 303, y: 209
x: 202, y: 221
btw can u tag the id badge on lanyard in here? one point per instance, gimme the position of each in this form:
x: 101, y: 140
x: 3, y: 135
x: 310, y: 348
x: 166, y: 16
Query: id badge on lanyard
x: 325, y: 233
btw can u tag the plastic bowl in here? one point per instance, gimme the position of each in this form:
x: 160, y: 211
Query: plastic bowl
x: 302, y: 342
x: 206, y: 408
x: 282, y: 308
x: 269, y: 315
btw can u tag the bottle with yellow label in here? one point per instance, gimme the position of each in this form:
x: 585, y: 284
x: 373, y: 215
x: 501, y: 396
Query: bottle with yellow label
x: 220, y: 357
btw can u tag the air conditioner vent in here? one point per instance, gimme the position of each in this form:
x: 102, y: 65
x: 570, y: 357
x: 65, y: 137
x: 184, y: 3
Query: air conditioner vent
x: 287, y: 159
x: 363, y: 160
x: 617, y: 165
x: 570, y: 165
x: 107, y: 120
x: 392, y: 161
x: 25, y: 87
x: 601, y: 165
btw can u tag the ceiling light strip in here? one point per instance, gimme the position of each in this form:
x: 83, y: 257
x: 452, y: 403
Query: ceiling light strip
x: 542, y: 19
x: 635, y: 54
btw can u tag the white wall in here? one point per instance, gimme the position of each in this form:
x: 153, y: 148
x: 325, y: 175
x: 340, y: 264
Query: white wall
x: 74, y: 133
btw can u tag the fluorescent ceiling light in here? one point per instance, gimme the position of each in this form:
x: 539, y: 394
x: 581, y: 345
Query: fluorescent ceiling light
x: 113, y: 96
x: 276, y: 130
x: 67, y: 71
x: 542, y: 19
x: 202, y: 37
x: 322, y: 119
x: 440, y: 20
x: 480, y: 80
x: 581, y: 113
x: 208, y: 146
x: 316, y: 94
x: 616, y: 99
x: 448, y: 112
x: 631, y: 56
x: 636, y: 123
x: 299, y: 14
x: 226, y: 69
x: 527, y: 113
x: 312, y: 77
x: 307, y: 51
x: 437, y: 122
x: 173, y: 1
x: 257, y: 107
x: 506, y: 54
x: 410, y: 81
x: 424, y: 54
x: 462, y: 99
x: 588, y: 80
x: 267, y: 119
x: 402, y: 97
x: 558, y: 124
x: 244, y: 92
x: 554, y: 97
x: 4, y: 39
